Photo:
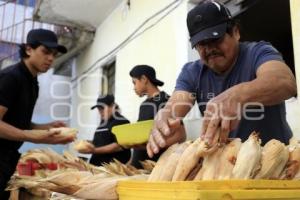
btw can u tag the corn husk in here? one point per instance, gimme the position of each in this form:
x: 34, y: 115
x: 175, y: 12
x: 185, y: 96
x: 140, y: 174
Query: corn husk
x: 274, y: 157
x: 172, y: 161
x: 228, y: 159
x: 292, y: 168
x: 163, y: 159
x: 191, y: 157
x: 105, y: 188
x: 248, y: 158
x: 210, y: 165
x: 83, y: 145
x: 66, y: 131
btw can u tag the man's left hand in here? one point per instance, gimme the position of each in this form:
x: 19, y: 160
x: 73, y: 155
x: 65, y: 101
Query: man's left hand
x: 57, y: 124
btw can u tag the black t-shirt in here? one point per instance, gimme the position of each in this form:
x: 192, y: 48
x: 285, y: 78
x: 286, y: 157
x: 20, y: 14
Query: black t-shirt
x: 103, y: 136
x: 148, y: 110
x: 18, y: 93
x: 151, y: 106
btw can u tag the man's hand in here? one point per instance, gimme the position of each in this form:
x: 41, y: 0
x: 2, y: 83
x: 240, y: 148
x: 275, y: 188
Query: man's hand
x: 163, y: 134
x: 223, y: 111
x: 88, y: 150
x: 54, y: 124
x: 84, y: 146
x: 57, y: 124
x: 48, y: 137
x: 166, y: 131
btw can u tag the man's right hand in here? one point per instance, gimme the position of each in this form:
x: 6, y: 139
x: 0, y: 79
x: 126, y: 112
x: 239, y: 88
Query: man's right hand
x: 167, y: 131
x: 48, y: 137
x: 163, y: 134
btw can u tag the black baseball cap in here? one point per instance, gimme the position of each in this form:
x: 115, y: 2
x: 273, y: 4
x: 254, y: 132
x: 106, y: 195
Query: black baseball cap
x: 46, y: 38
x: 148, y: 71
x: 104, y: 100
x: 208, y: 20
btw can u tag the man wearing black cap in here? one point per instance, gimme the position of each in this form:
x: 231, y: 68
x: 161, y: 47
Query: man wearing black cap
x: 105, y: 144
x: 18, y: 94
x: 240, y: 87
x: 146, y: 84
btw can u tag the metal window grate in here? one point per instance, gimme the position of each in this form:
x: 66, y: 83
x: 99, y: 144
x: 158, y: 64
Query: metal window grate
x: 108, y: 78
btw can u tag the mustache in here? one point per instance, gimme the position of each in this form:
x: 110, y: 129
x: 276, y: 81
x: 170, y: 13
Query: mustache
x: 213, y: 53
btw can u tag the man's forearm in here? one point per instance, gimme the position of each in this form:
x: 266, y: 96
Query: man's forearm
x: 179, y: 104
x: 267, y: 92
x: 274, y: 84
x: 12, y: 133
x: 41, y: 126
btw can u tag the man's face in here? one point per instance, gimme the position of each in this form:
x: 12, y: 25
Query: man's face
x: 41, y: 58
x: 139, y: 86
x: 220, y: 54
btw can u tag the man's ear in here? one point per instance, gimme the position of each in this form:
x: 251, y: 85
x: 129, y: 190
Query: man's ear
x: 144, y: 79
x: 236, y: 33
x: 28, y: 49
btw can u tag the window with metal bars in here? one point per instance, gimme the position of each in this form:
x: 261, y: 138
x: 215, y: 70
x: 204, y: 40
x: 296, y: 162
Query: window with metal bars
x: 108, y: 78
x: 30, y: 3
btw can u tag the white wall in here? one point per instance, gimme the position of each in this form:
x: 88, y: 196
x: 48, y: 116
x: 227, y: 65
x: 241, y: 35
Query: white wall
x: 293, y: 105
x: 163, y: 46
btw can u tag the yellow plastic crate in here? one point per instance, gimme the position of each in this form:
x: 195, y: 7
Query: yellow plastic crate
x: 210, y: 190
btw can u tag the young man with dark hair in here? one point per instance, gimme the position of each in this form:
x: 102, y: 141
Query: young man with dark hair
x: 18, y: 94
x: 240, y: 87
x: 146, y: 84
